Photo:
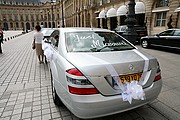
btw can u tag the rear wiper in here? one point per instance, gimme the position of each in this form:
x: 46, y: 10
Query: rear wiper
x: 98, y: 49
x: 111, y: 48
x: 122, y: 48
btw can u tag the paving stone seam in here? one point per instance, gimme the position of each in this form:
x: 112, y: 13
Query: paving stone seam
x: 160, y: 111
x: 14, y: 64
x: 14, y: 61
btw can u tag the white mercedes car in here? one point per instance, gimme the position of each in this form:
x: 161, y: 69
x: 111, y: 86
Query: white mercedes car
x: 96, y: 72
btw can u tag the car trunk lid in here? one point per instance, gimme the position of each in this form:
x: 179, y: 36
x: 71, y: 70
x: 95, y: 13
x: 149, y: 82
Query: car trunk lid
x: 100, y: 67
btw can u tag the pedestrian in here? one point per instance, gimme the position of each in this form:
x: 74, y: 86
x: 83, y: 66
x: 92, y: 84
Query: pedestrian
x: 38, y: 38
x: 169, y: 23
x: 1, y: 39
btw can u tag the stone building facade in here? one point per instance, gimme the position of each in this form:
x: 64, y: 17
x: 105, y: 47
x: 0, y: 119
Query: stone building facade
x: 154, y: 14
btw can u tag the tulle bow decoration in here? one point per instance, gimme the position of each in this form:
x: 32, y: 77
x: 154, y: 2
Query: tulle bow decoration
x: 133, y: 91
x: 47, y: 51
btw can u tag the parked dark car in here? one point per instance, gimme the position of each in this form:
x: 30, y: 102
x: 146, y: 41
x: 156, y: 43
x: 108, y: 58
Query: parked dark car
x: 140, y: 30
x: 167, y: 39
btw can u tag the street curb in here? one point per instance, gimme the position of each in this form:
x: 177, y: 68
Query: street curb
x: 12, y: 37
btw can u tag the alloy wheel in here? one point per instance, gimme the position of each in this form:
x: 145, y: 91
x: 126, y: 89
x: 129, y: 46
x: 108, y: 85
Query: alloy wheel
x: 145, y: 44
x: 56, y: 99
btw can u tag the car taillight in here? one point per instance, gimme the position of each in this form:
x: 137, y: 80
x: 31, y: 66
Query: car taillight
x: 75, y: 72
x: 79, y: 84
x: 158, y: 73
x: 157, y: 77
x: 82, y: 91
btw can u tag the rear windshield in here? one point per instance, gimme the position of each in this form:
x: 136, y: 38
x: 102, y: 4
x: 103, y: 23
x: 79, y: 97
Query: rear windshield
x: 47, y: 32
x: 95, y: 42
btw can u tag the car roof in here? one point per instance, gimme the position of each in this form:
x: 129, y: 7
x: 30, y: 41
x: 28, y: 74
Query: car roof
x: 122, y: 26
x: 46, y: 28
x: 174, y: 29
x: 47, y: 31
x: 78, y: 29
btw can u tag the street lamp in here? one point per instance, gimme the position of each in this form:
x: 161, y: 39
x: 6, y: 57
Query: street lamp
x: 52, y: 13
x: 130, y: 33
x: 77, y: 17
x: 62, y: 14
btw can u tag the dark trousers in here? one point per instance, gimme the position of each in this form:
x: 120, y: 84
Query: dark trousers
x: 0, y: 48
x: 1, y: 40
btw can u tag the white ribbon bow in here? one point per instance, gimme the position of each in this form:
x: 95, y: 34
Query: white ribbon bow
x: 47, y: 51
x: 133, y: 91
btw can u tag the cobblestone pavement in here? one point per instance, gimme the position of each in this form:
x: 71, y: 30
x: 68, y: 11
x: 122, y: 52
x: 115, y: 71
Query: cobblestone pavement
x: 25, y: 90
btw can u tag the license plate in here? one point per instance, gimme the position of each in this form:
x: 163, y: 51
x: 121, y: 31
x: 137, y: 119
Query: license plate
x: 130, y: 77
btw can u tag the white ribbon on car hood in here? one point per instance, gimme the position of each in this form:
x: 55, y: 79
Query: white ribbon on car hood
x: 47, y: 51
x: 132, y: 90
x: 146, y: 66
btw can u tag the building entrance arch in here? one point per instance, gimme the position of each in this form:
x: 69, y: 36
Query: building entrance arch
x: 49, y: 24
x: 53, y: 24
x: 5, y: 26
x: 45, y: 25
x: 28, y: 26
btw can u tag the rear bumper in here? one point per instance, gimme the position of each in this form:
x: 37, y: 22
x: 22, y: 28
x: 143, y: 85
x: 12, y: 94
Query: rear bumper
x: 93, y: 106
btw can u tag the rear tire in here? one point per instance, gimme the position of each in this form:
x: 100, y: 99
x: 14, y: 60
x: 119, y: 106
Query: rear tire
x: 145, y: 44
x: 56, y: 98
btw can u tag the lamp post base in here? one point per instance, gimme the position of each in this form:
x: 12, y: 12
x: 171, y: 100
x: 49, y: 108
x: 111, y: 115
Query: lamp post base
x: 131, y: 37
x: 130, y: 33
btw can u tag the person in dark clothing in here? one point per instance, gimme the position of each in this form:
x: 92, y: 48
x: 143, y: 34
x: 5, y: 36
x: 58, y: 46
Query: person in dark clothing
x: 1, y: 39
x: 169, y: 23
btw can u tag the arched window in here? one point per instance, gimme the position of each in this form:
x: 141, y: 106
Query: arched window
x: 162, y: 3
x: 37, y: 17
x: 22, y: 25
x: 27, y: 18
x: 32, y: 17
x: 21, y: 17
x: 11, y: 25
x: 17, y: 25
x: 33, y: 24
x: 161, y: 19
x: 16, y: 17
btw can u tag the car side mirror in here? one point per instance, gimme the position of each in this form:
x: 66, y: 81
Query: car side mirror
x: 157, y: 35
